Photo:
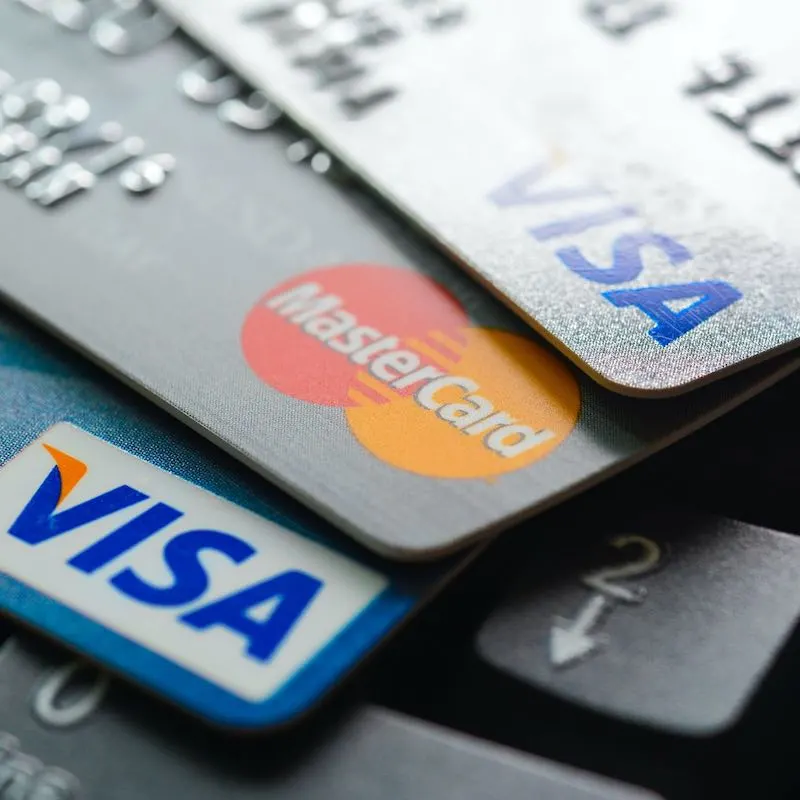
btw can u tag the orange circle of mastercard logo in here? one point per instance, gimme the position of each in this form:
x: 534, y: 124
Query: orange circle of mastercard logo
x: 421, y: 387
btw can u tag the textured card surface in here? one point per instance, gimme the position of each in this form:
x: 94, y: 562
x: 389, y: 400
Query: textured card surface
x: 595, y: 163
x: 131, y: 540
x: 282, y: 315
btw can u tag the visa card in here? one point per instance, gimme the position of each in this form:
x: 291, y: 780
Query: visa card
x: 280, y: 312
x: 622, y: 173
x: 134, y: 542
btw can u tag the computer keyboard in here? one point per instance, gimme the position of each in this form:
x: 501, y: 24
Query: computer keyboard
x: 174, y: 626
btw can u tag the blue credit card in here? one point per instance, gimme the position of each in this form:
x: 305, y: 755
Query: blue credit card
x: 137, y: 543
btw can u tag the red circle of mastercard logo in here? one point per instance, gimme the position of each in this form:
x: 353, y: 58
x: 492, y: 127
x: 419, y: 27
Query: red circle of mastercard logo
x: 421, y: 387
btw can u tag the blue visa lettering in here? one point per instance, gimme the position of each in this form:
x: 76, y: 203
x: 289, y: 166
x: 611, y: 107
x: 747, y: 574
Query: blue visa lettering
x: 283, y: 598
x: 294, y: 592
x: 39, y: 521
x: 125, y: 538
x: 518, y: 191
x: 181, y: 555
x: 627, y: 258
x: 581, y: 224
x: 712, y: 297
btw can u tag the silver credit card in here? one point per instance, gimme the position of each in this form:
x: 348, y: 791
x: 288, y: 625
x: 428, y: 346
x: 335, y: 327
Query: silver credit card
x: 622, y: 173
x: 285, y: 317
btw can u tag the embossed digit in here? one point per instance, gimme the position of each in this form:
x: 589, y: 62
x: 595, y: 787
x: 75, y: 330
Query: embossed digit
x: 48, y: 705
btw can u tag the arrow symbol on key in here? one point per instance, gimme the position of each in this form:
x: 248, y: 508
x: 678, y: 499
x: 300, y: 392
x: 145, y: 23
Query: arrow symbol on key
x: 572, y: 640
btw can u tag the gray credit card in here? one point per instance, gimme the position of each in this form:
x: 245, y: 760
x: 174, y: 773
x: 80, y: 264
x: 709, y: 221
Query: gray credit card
x: 69, y: 733
x: 595, y: 162
x: 280, y: 314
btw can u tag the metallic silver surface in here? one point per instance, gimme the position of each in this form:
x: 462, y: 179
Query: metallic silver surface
x: 524, y: 82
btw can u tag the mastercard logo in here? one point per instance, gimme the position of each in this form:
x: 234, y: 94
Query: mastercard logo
x: 421, y: 388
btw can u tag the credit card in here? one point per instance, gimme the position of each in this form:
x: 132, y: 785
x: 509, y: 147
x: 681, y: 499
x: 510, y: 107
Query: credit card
x: 68, y: 733
x: 595, y: 162
x: 284, y: 315
x: 134, y: 541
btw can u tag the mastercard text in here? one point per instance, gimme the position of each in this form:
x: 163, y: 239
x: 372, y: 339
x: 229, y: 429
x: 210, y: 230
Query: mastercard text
x: 457, y: 400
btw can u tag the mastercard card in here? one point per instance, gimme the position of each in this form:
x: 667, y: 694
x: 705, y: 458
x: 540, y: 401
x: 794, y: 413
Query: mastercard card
x: 621, y: 173
x: 283, y: 314
x: 135, y: 542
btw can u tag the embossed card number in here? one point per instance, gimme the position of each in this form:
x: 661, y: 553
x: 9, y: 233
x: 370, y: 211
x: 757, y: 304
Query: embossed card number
x: 44, y: 129
x: 66, y: 696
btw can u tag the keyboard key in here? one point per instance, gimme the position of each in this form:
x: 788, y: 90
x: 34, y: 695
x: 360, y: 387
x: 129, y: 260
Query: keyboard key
x: 672, y: 622
x: 65, y: 725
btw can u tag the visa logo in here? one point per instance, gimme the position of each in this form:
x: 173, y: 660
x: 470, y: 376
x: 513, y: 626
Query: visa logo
x: 576, y: 233
x: 217, y: 589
